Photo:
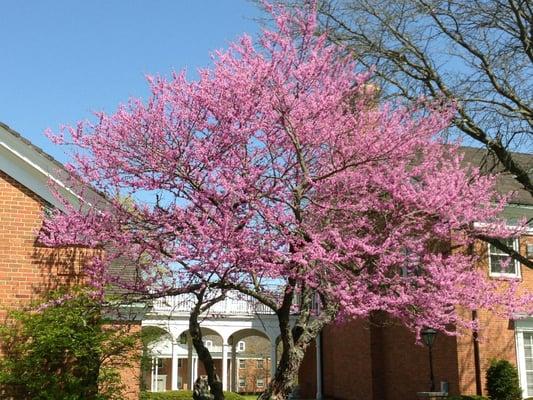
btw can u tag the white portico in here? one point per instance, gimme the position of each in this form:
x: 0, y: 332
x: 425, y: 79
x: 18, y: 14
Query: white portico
x: 230, y: 321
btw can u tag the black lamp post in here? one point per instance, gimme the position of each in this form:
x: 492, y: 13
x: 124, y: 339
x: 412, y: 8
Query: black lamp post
x: 428, y: 336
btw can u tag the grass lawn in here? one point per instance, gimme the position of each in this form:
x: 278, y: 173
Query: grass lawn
x: 250, y: 397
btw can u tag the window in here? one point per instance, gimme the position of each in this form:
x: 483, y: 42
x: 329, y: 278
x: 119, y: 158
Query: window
x: 260, y: 382
x: 500, y: 263
x: 260, y: 363
x: 242, y: 363
x: 208, y: 344
x: 159, y: 363
x: 241, y: 346
x: 242, y: 382
x: 183, y: 338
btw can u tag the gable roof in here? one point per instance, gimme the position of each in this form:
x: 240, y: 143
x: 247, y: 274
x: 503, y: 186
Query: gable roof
x: 506, y: 182
x: 35, y: 169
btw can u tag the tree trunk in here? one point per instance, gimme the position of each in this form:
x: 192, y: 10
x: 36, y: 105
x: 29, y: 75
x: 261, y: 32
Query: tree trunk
x: 296, y: 340
x: 286, y: 374
x: 203, y: 353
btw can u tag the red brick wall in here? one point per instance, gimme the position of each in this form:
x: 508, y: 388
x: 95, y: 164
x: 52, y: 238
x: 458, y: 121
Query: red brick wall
x: 346, y: 363
x: 405, y: 365
x: 28, y: 270
x: 397, y: 368
x: 378, y: 361
x: 251, y: 372
x: 497, y: 335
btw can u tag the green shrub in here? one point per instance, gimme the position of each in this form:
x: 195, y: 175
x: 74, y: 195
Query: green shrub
x: 502, y: 381
x: 182, y: 395
x: 57, y: 352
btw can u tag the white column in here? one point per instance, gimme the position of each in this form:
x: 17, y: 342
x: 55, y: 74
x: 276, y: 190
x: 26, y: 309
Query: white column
x: 318, y: 346
x: 224, y: 366
x: 174, y: 366
x: 234, y: 367
x: 196, y: 362
x: 273, y: 359
x: 190, y: 370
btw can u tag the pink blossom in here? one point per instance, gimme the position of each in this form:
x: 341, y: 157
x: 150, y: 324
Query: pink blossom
x: 277, y: 166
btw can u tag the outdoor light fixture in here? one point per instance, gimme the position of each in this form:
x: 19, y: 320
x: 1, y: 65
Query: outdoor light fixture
x: 428, y: 336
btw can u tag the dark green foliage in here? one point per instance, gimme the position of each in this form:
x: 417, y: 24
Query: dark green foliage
x: 502, y: 381
x: 183, y: 395
x: 64, y: 351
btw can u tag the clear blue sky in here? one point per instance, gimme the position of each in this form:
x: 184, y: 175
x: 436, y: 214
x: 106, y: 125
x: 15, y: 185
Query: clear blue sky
x: 62, y: 59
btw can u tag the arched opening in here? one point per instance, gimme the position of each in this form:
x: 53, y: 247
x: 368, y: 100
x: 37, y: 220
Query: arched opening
x: 171, y: 363
x: 156, y: 362
x: 214, y: 343
x: 251, y: 361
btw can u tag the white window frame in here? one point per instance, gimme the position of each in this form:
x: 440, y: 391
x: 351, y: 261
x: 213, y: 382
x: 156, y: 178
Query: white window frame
x: 241, y: 346
x: 516, y: 274
x: 242, y: 363
x: 260, y: 382
x: 242, y: 382
x: 208, y: 343
x: 260, y: 363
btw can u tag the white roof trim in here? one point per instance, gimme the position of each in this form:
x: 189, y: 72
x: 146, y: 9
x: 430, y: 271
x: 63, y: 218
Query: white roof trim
x: 34, y: 169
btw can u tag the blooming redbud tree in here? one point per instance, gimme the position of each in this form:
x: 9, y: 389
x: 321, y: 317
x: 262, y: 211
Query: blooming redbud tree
x: 276, y: 174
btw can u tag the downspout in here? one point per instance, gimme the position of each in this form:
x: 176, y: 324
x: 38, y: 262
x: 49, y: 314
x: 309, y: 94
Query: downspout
x: 477, y: 362
x: 319, y: 362
x: 475, y: 342
x: 319, y: 368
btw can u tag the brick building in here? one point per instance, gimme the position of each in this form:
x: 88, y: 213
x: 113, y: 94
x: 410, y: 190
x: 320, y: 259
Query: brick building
x: 377, y: 359
x: 27, y: 269
x: 360, y: 360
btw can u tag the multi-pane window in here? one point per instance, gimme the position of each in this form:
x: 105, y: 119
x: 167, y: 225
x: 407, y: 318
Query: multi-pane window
x: 500, y: 263
x: 242, y: 382
x: 260, y: 363
x: 241, y: 346
x: 260, y: 382
x: 208, y: 344
x: 242, y: 364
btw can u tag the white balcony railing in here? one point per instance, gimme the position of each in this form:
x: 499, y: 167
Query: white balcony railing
x: 231, y: 305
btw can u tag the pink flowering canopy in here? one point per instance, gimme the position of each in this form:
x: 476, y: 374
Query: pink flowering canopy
x: 276, y: 172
